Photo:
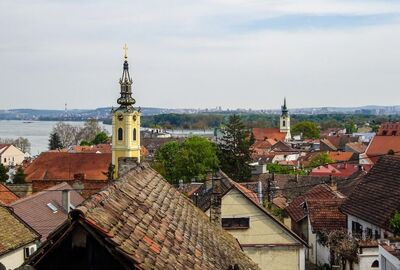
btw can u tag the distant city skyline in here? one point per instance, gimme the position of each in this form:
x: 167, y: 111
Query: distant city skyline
x: 200, y: 54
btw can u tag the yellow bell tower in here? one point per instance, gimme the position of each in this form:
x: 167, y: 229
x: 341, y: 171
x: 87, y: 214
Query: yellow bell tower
x: 125, y: 121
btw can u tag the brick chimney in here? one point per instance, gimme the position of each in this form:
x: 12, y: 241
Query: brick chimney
x: 215, y: 207
x: 333, y: 183
x: 66, y: 200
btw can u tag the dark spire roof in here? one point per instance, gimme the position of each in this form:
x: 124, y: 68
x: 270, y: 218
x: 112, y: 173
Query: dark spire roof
x: 285, y: 111
x: 126, y: 100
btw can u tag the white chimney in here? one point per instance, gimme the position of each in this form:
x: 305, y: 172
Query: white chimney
x: 260, y: 194
x: 66, y: 200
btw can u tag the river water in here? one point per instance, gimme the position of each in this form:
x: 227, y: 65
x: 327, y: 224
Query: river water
x: 38, y: 132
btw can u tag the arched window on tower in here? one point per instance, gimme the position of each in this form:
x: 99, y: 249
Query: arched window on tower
x: 283, y: 123
x: 120, y: 134
x: 134, y: 134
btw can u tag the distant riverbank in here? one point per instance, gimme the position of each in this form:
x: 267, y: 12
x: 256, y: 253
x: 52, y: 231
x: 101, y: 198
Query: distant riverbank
x: 37, y: 132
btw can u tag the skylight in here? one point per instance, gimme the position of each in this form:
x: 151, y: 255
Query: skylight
x: 52, y: 207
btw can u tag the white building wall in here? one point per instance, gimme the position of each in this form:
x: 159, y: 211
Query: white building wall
x: 12, y: 156
x: 387, y: 261
x: 365, y: 225
x: 14, y: 258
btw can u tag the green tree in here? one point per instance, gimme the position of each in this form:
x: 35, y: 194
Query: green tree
x: 234, y: 149
x: 101, y: 137
x: 281, y: 169
x: 320, y: 159
x: 165, y: 161
x: 19, y: 176
x: 395, y: 223
x: 187, y: 160
x: 3, y: 173
x: 55, y: 141
x: 197, y: 155
x: 85, y: 143
x: 351, y: 127
x: 308, y: 130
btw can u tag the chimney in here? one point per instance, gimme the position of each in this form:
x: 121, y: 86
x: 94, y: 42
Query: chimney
x: 215, y: 207
x: 333, y: 183
x: 66, y: 200
x: 260, y: 194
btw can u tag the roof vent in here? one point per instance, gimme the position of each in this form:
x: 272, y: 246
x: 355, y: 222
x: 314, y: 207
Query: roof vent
x: 52, y: 207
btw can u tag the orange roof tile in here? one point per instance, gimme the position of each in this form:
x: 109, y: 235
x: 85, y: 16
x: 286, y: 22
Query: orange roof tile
x: 261, y: 134
x: 63, y: 166
x: 340, y: 156
x: 6, y: 195
x: 380, y: 145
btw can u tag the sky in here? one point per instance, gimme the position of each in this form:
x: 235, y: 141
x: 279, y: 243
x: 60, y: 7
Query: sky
x: 200, y: 54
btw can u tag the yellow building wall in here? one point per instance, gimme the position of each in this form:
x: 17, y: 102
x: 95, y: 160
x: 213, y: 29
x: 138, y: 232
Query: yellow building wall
x: 263, y: 230
x: 127, y: 147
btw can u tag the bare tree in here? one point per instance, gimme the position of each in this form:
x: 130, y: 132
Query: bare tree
x: 90, y: 129
x: 22, y: 143
x: 68, y: 134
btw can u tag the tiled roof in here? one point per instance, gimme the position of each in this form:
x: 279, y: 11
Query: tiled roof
x: 102, y: 148
x: 341, y: 156
x: 325, y: 143
x: 157, y: 227
x: 4, y: 147
x: 324, y: 214
x: 227, y: 184
x: 6, y: 195
x: 356, y: 147
x: 376, y: 197
x: 261, y: 134
x: 320, y: 192
x: 14, y: 233
x: 380, y: 145
x: 347, y: 187
x: 35, y: 212
x: 64, y: 166
x: 340, y: 141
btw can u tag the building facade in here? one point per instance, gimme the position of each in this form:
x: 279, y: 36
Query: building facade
x: 125, y: 122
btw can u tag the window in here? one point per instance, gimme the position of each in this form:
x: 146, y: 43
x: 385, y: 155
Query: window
x: 356, y: 229
x: 134, y: 134
x: 368, y: 233
x: 375, y: 264
x: 120, y: 134
x: 52, y: 207
x: 377, y: 235
x: 28, y: 251
x: 235, y: 223
x: 283, y: 123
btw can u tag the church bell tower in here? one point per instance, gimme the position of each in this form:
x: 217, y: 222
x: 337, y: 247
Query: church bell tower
x: 285, y: 121
x: 125, y: 121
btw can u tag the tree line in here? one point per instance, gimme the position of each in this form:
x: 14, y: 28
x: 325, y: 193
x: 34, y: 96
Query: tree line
x: 65, y: 135
x: 216, y: 120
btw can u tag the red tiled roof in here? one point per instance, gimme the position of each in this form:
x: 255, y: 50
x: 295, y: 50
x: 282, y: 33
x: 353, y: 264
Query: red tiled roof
x: 261, y: 134
x: 376, y: 197
x: 157, y: 227
x: 340, y: 156
x: 34, y: 211
x: 319, y: 192
x: 102, y: 148
x: 246, y: 192
x: 63, y: 166
x: 380, y: 145
x: 324, y: 214
x: 6, y: 195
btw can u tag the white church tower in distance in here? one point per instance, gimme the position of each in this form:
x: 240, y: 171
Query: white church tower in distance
x: 285, y: 121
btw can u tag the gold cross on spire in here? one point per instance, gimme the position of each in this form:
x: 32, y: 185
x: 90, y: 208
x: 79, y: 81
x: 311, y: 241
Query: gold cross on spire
x: 126, y: 51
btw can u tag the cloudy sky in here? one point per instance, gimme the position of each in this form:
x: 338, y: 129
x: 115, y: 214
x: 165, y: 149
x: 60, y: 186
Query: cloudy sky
x: 197, y: 54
